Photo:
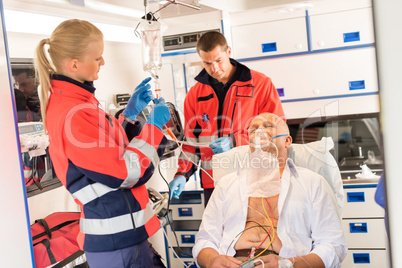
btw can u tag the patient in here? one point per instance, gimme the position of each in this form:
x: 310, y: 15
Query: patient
x: 297, y: 223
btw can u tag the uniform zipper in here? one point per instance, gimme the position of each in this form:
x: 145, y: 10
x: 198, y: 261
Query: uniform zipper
x: 129, y: 208
x: 227, y: 108
x: 234, y: 108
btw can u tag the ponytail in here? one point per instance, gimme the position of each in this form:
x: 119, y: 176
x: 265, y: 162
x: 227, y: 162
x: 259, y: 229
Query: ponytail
x: 43, y: 69
x: 70, y: 40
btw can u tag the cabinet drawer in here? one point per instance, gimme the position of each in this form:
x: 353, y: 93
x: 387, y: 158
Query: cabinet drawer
x: 360, y: 203
x: 269, y: 38
x: 365, y: 233
x: 190, y: 206
x: 366, y: 259
x: 320, y: 75
x: 174, y: 262
x: 342, y: 29
x: 185, y: 238
x: 187, y: 212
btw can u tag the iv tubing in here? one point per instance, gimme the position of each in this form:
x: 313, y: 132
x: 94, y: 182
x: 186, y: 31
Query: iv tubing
x: 188, y: 158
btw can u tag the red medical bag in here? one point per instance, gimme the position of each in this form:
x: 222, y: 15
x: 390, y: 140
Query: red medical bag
x: 54, y: 239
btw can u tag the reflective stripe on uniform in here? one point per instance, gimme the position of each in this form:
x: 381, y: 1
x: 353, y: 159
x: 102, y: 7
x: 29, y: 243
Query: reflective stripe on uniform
x: 207, y: 165
x: 193, y: 157
x: 201, y: 139
x: 91, y: 192
x: 194, y: 140
x: 133, y: 169
x: 133, y: 164
x: 116, y: 224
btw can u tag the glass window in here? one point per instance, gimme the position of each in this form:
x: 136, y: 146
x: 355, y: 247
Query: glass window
x: 356, y: 139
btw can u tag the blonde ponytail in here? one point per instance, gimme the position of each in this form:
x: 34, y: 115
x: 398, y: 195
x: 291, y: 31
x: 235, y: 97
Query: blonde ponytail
x: 69, y: 40
x: 43, y: 69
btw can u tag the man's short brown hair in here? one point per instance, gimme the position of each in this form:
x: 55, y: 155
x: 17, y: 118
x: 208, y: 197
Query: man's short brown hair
x: 210, y: 40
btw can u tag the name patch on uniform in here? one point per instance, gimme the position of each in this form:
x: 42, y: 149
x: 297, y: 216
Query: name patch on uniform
x: 245, y: 91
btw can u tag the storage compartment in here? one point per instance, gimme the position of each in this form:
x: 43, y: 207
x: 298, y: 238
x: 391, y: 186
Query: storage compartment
x: 189, y: 206
x: 360, y: 203
x: 365, y: 233
x: 342, y: 29
x: 187, y: 214
x: 317, y: 76
x: 269, y: 38
x: 185, y: 238
x: 366, y: 259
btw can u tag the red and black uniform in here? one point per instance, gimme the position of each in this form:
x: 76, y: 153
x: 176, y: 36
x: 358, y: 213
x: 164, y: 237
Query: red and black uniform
x: 212, y: 111
x: 103, y: 169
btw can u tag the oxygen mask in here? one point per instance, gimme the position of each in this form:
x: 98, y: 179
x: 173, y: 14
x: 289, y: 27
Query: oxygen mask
x: 262, y: 172
x: 261, y: 141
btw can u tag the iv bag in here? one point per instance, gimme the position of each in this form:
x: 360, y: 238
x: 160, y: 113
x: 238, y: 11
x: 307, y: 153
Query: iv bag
x: 151, y: 46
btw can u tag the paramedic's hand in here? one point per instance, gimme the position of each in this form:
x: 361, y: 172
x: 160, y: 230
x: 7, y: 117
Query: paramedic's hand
x: 142, y: 95
x: 221, y: 145
x: 160, y: 114
x: 177, y: 186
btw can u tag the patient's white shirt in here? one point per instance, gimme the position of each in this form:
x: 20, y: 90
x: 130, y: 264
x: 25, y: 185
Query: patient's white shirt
x: 309, y: 221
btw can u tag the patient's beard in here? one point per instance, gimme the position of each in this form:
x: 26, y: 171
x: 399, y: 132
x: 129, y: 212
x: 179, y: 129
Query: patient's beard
x: 262, y: 175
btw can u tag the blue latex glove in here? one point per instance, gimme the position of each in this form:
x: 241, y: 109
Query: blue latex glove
x: 221, y: 145
x: 160, y: 114
x: 177, y: 186
x: 142, y: 95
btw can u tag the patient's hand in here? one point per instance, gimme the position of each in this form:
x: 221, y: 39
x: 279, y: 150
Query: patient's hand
x: 223, y: 261
x: 269, y: 261
x: 210, y: 258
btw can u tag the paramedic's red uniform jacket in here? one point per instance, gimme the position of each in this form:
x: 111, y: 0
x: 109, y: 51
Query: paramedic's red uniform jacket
x: 101, y: 168
x: 253, y: 93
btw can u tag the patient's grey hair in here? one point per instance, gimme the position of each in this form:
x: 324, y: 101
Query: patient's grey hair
x: 280, y: 124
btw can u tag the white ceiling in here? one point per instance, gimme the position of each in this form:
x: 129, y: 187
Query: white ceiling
x: 125, y: 14
x: 50, y: 7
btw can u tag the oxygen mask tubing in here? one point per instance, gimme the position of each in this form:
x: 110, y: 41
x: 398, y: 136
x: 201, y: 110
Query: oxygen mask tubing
x: 261, y: 141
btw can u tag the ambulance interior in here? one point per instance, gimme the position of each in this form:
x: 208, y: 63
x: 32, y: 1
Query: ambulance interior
x: 320, y: 55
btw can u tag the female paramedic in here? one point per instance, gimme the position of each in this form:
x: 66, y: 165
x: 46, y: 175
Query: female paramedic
x: 103, y: 167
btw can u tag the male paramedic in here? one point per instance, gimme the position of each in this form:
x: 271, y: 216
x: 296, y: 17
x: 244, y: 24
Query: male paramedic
x: 218, y: 109
x: 271, y: 215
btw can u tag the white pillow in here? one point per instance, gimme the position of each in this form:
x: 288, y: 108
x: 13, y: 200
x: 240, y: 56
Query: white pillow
x: 316, y: 157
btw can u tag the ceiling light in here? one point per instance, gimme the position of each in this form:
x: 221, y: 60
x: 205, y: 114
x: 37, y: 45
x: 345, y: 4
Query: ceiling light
x: 118, y: 10
x: 108, y: 8
x: 45, y: 24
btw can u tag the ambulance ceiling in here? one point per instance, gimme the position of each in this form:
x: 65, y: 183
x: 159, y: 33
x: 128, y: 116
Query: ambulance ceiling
x: 129, y: 9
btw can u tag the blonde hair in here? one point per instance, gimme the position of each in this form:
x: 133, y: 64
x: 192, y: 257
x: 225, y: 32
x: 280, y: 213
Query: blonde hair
x: 70, y: 40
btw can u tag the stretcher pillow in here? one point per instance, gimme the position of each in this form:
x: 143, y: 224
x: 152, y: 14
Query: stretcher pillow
x: 314, y: 156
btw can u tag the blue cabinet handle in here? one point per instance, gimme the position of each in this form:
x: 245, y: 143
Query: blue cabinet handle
x: 356, y: 197
x: 353, y: 85
x: 187, y: 239
x: 269, y: 47
x: 360, y: 227
x: 361, y: 257
x: 185, y: 212
x: 187, y: 263
x: 351, y: 37
x: 281, y: 92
